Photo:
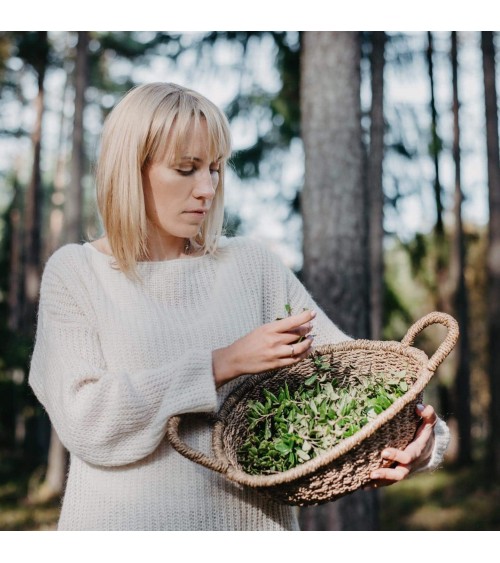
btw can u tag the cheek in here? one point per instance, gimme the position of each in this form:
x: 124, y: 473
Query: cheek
x: 215, y: 181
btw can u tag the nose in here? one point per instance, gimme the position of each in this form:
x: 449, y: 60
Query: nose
x: 205, y: 186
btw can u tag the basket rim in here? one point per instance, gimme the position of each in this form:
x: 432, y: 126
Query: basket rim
x: 235, y: 474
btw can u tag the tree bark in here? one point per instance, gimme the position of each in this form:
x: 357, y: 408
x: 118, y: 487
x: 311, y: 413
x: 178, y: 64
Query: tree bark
x: 57, y: 457
x: 15, y: 261
x: 459, y: 289
x: 442, y: 302
x: 493, y: 258
x: 435, y: 141
x: 56, y: 217
x: 375, y: 186
x: 33, y: 210
x: 334, y: 206
x: 74, y: 198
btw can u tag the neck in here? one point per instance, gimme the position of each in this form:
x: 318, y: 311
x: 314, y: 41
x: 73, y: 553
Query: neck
x: 166, y: 248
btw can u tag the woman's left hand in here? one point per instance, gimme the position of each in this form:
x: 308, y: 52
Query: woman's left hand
x: 417, y: 454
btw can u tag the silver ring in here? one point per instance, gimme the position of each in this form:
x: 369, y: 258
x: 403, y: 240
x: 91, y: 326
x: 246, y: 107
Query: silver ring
x: 293, y: 351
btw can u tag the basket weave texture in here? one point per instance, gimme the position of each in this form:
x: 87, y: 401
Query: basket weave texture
x: 347, y: 466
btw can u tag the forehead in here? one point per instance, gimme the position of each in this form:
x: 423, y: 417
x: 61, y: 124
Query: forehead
x: 192, y: 140
x: 194, y: 144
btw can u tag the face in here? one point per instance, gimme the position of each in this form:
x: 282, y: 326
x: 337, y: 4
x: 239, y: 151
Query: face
x: 179, y: 194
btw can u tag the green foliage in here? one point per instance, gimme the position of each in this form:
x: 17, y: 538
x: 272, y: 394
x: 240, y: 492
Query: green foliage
x: 288, y: 427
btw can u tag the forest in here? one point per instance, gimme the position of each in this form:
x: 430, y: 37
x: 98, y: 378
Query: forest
x: 369, y: 161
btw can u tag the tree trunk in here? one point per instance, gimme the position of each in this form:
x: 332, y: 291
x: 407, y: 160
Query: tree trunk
x: 15, y: 261
x: 57, y: 458
x: 375, y: 186
x: 33, y: 210
x: 459, y: 290
x: 493, y: 258
x: 435, y: 147
x: 336, y: 255
x: 74, y: 197
x: 435, y: 150
x: 56, y: 217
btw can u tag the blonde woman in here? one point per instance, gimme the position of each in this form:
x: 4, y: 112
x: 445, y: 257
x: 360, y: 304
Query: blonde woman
x: 161, y: 316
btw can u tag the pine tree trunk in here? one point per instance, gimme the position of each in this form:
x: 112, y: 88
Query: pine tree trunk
x: 334, y: 205
x: 56, y: 217
x: 74, y: 197
x: 15, y: 261
x: 442, y: 303
x: 459, y: 290
x: 435, y: 142
x: 375, y: 186
x: 493, y: 259
x: 33, y: 210
x: 57, y: 458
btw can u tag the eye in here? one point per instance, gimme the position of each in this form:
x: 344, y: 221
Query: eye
x: 215, y: 168
x: 186, y: 172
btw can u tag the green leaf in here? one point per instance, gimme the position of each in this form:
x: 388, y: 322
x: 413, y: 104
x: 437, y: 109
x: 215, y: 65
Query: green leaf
x: 310, y: 380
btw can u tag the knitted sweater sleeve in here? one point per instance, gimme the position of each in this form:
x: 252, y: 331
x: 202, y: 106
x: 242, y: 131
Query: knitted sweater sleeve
x: 326, y: 332
x: 107, y: 418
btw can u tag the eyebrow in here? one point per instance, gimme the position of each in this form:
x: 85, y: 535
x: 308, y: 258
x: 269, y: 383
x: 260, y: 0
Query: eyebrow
x: 196, y: 159
x: 191, y: 158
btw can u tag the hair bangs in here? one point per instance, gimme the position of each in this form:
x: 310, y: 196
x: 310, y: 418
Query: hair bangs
x: 182, y: 121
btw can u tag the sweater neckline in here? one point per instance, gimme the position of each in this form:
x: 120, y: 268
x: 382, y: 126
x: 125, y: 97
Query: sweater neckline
x: 148, y: 263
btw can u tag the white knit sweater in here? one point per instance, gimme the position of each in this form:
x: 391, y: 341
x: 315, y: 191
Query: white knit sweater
x: 114, y: 359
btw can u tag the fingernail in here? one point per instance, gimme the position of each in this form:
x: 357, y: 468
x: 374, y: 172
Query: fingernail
x: 313, y: 314
x: 386, y: 454
x: 420, y: 407
x: 375, y: 475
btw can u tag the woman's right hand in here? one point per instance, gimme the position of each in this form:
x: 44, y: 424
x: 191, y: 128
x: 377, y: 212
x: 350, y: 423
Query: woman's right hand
x: 272, y: 345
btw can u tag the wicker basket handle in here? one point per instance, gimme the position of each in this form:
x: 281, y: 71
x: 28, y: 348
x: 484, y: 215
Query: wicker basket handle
x: 172, y: 432
x: 448, y: 343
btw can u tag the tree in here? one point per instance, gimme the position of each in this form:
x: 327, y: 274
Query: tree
x: 74, y: 194
x: 34, y: 47
x: 435, y: 148
x: 334, y: 206
x: 53, y: 485
x: 458, y: 286
x: 493, y: 258
x: 374, y: 183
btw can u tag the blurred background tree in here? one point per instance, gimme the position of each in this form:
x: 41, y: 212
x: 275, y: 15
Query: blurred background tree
x: 367, y: 195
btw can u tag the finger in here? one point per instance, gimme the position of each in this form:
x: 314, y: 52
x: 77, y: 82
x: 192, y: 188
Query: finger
x: 397, y: 456
x: 390, y: 474
x: 296, y: 349
x: 302, y: 330
x: 294, y: 321
x: 427, y: 413
x: 296, y: 335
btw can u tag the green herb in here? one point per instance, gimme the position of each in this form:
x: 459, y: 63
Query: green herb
x: 288, y: 428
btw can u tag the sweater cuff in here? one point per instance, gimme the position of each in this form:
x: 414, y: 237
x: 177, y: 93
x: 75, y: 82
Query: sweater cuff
x: 441, y: 441
x: 196, y: 392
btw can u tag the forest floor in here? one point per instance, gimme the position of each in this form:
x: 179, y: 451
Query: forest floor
x: 449, y: 499
x: 446, y: 500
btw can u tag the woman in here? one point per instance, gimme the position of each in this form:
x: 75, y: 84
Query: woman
x: 161, y: 316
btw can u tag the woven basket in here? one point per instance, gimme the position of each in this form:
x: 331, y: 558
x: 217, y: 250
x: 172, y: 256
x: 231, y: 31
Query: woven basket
x: 347, y: 466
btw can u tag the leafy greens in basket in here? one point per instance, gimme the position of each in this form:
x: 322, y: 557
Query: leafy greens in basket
x: 288, y: 428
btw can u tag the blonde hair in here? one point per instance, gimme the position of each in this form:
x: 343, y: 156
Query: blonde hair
x: 150, y: 122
